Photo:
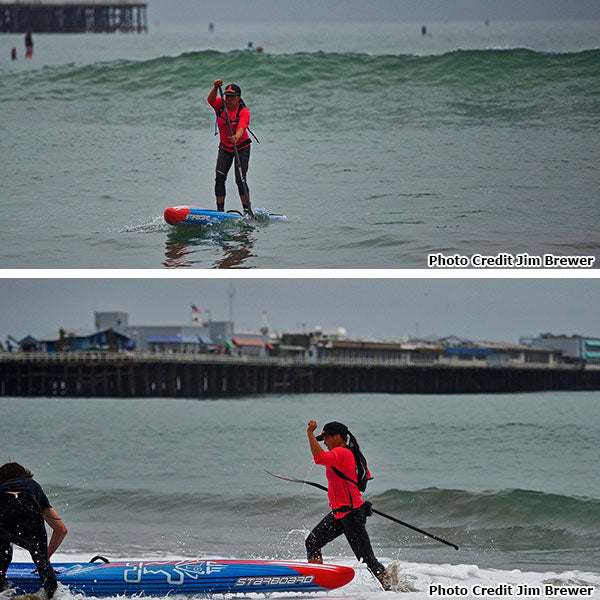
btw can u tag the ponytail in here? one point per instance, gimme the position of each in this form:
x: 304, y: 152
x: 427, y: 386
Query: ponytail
x: 362, y: 471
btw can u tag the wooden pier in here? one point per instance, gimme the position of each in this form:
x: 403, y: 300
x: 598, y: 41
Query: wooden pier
x: 129, y: 375
x: 73, y: 17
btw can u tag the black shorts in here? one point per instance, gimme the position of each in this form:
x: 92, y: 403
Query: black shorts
x: 224, y: 161
x: 353, y: 526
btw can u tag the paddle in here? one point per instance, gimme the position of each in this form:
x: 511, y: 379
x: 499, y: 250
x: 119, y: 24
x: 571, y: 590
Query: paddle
x: 238, y: 165
x: 378, y: 512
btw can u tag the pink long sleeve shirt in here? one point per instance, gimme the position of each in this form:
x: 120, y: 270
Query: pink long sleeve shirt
x: 340, y: 491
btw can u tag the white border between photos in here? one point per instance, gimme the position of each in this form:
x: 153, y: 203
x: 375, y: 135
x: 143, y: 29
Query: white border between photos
x: 300, y: 274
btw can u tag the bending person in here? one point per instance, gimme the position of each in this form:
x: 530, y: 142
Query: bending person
x: 24, y: 510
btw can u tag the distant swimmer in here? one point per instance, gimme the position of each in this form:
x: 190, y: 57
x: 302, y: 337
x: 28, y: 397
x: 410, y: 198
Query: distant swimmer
x: 423, y: 31
x: 13, y: 53
x: 211, y: 26
x: 24, y: 510
x: 239, y: 116
x: 28, y: 45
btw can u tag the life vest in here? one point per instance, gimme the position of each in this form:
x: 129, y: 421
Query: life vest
x: 234, y: 121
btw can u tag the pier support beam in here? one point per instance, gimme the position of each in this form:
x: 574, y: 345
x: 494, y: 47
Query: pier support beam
x: 113, y: 376
x: 73, y: 17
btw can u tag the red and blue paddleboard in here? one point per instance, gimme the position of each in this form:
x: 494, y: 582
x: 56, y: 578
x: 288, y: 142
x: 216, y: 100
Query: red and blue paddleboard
x: 206, y: 576
x: 194, y: 215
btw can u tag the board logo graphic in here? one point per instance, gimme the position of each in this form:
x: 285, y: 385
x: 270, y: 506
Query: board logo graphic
x: 175, y: 573
x: 193, y: 217
x: 280, y: 580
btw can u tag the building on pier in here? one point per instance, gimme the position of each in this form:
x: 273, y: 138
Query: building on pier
x: 218, y: 337
x: 210, y: 337
x: 575, y: 348
x: 452, y: 352
x: 202, y: 338
x: 110, y: 340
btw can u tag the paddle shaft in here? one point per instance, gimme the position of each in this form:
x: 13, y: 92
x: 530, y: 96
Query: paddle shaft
x: 378, y: 512
x: 238, y: 165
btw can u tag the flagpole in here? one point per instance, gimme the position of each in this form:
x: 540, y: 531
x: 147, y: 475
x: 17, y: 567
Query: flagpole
x: 195, y: 312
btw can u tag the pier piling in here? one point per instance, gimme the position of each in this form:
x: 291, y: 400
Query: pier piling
x: 73, y: 17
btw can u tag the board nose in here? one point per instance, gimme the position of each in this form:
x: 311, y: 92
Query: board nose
x: 176, y: 214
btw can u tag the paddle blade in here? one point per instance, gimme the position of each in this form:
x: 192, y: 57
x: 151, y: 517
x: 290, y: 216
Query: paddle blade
x: 285, y: 477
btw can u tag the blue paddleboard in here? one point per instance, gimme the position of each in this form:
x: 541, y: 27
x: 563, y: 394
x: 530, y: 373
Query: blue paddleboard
x: 206, y: 576
x: 194, y: 215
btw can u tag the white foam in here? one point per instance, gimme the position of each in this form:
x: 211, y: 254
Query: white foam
x: 421, y: 575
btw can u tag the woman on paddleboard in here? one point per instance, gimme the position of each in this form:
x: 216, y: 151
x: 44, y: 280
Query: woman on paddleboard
x: 347, y: 474
x: 239, y: 117
x: 24, y: 507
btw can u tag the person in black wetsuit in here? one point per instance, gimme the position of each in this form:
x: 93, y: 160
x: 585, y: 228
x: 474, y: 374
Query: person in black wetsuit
x: 28, y: 44
x: 24, y: 508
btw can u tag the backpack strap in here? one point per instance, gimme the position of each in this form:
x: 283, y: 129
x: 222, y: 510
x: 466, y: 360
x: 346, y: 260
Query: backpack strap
x: 340, y: 474
x: 220, y: 112
x: 237, y: 116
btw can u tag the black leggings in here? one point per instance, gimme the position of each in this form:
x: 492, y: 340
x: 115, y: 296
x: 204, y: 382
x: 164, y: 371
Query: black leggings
x: 353, y: 527
x: 22, y: 523
x: 224, y: 162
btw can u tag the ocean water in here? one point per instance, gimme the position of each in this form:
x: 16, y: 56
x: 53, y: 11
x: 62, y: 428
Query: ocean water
x: 510, y: 478
x: 379, y: 145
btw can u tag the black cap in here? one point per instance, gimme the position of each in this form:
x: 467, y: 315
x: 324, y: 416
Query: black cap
x: 333, y: 428
x: 233, y: 90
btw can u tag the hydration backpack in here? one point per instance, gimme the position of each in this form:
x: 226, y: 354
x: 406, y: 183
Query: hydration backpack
x: 236, y: 119
x: 362, y: 471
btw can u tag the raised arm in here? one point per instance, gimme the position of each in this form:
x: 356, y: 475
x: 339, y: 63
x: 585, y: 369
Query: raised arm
x: 217, y: 83
x: 315, y: 447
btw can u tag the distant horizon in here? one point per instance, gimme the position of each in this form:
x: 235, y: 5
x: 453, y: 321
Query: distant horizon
x: 383, y: 21
x: 346, y: 12
x: 377, y: 11
x: 152, y: 21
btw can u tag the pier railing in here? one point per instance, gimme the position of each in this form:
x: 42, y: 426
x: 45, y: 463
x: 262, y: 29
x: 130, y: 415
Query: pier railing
x: 137, y: 357
x: 183, y: 358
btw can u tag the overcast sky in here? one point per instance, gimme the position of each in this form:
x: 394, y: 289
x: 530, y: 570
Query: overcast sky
x: 373, y: 11
x: 482, y: 309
